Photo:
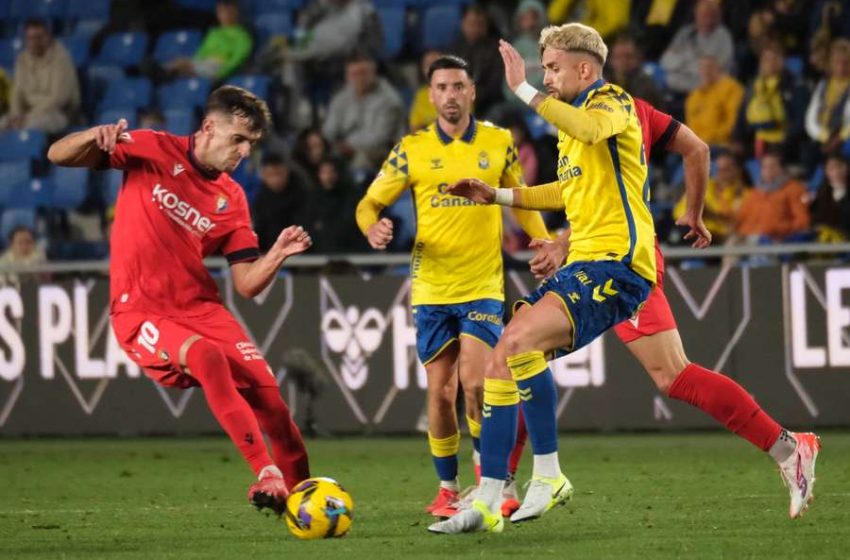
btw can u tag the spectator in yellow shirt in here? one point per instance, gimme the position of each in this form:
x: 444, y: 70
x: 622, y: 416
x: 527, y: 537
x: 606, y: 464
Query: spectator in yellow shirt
x: 605, y: 16
x: 711, y: 110
x: 723, y: 197
x: 422, y: 111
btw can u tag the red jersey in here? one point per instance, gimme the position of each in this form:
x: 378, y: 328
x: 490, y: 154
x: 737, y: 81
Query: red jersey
x: 658, y: 128
x: 171, y: 213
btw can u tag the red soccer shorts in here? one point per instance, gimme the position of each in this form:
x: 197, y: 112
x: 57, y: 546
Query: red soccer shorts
x: 655, y: 316
x: 159, y: 345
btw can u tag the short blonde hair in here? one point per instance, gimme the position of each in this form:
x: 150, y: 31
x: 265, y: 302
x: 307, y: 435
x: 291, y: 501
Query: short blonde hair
x: 574, y: 37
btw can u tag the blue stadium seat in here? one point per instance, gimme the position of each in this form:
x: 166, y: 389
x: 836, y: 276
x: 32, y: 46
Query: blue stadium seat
x: 89, y: 9
x: 12, y: 218
x: 200, y: 5
x: 67, y: 184
x: 816, y: 179
x: 177, y: 44
x: 9, y: 50
x: 753, y: 167
x: 184, y: 93
x: 393, y: 20
x: 13, y: 189
x: 267, y: 6
x: 124, y: 49
x: 112, y: 116
x: 656, y: 72
x: 78, y: 47
x: 127, y: 92
x: 4, y: 9
x: 22, y: 144
x: 270, y: 24
x: 14, y: 172
x: 440, y: 26
x: 179, y: 121
x: 795, y: 65
x: 19, y: 10
x: 98, y: 76
x: 255, y: 83
x: 87, y: 27
x: 34, y: 193
x: 70, y: 188
x: 537, y: 126
x: 112, y: 185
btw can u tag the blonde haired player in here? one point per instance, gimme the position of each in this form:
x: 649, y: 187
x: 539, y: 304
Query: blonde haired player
x: 714, y: 393
x: 456, y: 265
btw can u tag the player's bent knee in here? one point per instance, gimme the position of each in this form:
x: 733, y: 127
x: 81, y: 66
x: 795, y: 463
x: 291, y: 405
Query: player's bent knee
x: 515, y: 339
x: 497, y: 365
x: 205, y: 360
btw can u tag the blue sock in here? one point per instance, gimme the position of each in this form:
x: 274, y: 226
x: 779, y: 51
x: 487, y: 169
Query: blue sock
x: 539, y: 399
x: 498, y: 427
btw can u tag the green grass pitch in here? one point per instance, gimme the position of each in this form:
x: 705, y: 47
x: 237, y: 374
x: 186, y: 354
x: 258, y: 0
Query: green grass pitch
x: 637, y: 496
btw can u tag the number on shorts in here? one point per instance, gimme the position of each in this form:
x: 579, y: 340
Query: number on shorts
x: 148, y: 337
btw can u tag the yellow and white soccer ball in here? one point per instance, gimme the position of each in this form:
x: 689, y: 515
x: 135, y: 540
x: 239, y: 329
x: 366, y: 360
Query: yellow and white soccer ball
x: 319, y: 508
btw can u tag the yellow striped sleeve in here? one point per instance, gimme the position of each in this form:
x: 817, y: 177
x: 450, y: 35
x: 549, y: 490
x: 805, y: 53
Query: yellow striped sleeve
x: 604, y: 117
x: 541, y: 197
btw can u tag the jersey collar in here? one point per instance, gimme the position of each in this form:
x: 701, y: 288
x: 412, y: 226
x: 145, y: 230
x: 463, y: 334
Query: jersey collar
x: 468, y: 136
x: 205, y: 173
x: 582, y: 97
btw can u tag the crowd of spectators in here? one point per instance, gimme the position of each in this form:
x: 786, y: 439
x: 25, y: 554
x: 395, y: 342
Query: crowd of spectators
x: 765, y: 82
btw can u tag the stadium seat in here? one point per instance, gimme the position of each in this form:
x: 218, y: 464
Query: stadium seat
x: 816, y: 179
x: 34, y: 193
x: 9, y: 50
x: 255, y: 83
x: 656, y: 72
x: 127, y: 92
x: 753, y: 168
x: 89, y: 9
x: 20, y: 10
x: 200, y: 5
x: 14, y: 186
x: 70, y: 188
x: 270, y: 24
x: 112, y: 185
x: 14, y: 172
x: 67, y: 184
x: 87, y: 27
x: 177, y: 44
x: 22, y: 144
x: 112, y: 116
x: 184, y: 93
x: 440, y: 26
x: 795, y: 65
x: 537, y: 126
x: 14, y: 217
x: 78, y: 47
x: 393, y: 21
x: 268, y: 6
x: 124, y: 49
x: 180, y: 121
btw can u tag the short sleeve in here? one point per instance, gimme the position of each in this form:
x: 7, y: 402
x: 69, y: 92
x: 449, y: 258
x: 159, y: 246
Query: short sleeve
x: 241, y: 244
x: 662, y: 128
x: 135, y: 146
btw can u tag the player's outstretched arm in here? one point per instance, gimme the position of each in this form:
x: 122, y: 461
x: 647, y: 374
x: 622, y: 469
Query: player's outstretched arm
x: 88, y: 148
x: 250, y: 279
x: 696, y: 160
x: 541, y: 197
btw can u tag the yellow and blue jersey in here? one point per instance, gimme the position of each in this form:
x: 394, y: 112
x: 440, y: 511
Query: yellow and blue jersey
x: 457, y: 251
x: 604, y: 183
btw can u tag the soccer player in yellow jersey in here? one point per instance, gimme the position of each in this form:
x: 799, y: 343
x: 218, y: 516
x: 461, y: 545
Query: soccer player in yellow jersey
x: 602, y: 185
x: 456, y: 265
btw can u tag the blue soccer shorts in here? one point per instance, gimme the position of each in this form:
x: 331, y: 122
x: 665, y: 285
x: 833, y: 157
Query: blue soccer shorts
x: 437, y: 326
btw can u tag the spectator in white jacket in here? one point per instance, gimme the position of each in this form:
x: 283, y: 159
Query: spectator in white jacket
x: 828, y: 115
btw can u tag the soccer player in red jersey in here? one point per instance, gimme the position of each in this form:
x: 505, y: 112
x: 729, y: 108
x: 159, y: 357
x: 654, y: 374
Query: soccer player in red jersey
x: 177, y: 205
x: 653, y: 338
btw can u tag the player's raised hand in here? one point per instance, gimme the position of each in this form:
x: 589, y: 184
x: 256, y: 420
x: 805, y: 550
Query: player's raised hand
x: 514, y: 64
x: 475, y: 190
x: 293, y: 240
x: 380, y: 234
x: 696, y: 230
x: 107, y: 136
x: 547, y: 259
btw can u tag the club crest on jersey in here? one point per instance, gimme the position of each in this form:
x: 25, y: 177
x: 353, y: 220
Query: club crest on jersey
x: 483, y: 161
x: 221, y: 204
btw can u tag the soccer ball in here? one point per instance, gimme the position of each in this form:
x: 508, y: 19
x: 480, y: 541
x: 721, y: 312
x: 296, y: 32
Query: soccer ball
x: 319, y: 508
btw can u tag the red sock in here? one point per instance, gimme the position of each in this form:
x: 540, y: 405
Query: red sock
x: 288, y: 449
x: 521, y: 436
x: 208, y: 364
x: 727, y: 402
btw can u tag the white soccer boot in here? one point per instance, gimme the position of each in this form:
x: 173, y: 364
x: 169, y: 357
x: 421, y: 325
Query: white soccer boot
x: 542, y: 495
